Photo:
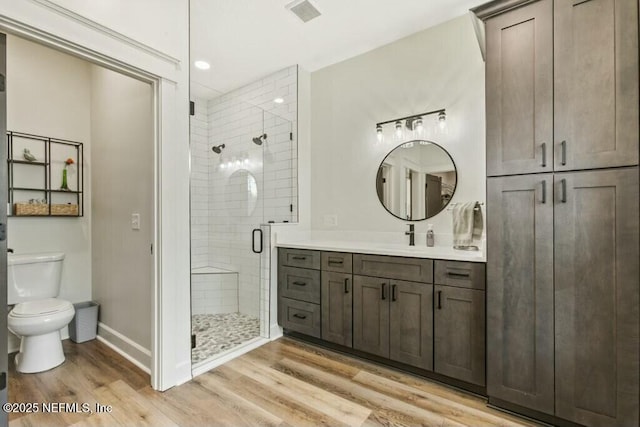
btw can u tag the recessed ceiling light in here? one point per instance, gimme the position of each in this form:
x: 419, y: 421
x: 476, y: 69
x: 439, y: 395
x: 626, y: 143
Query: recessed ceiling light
x: 203, y: 65
x: 278, y: 100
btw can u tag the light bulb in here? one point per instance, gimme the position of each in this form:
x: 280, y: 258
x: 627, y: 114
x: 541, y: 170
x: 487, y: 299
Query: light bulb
x: 418, y: 127
x: 379, y: 133
x: 399, y: 129
x: 442, y: 120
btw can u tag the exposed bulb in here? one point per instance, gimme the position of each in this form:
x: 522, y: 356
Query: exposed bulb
x: 418, y: 127
x: 442, y: 120
x: 379, y: 133
x: 399, y: 130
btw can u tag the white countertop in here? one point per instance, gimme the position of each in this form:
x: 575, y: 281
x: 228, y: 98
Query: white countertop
x: 437, y: 252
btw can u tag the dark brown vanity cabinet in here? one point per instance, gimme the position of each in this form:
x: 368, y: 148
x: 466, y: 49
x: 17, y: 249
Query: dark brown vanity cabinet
x: 299, y: 291
x: 563, y: 247
x: 384, y: 306
x: 561, y: 85
x: 459, y: 321
x: 519, y: 90
x: 393, y: 319
x: 337, y: 298
x: 597, y: 297
x: 520, y: 326
x: 393, y: 308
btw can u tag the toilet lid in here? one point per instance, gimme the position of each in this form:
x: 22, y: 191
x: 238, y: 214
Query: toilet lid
x: 40, y: 307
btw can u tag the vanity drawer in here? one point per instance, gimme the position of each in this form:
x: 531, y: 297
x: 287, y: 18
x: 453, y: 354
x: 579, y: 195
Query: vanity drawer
x: 299, y: 283
x: 300, y: 316
x: 299, y: 258
x: 394, y: 267
x: 460, y: 274
x: 340, y: 262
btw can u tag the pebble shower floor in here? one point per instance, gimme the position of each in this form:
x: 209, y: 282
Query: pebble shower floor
x: 216, y: 333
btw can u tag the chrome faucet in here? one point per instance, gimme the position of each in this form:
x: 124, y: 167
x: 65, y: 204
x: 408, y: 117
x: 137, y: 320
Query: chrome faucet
x: 412, y: 235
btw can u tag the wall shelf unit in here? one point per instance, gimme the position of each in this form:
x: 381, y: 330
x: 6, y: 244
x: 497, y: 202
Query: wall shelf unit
x: 35, y: 185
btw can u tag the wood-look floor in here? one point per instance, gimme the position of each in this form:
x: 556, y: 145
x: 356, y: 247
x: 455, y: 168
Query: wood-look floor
x: 284, y: 383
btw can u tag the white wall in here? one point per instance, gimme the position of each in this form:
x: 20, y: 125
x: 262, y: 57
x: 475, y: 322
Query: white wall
x: 122, y: 184
x: 36, y: 105
x: 437, y: 68
x: 157, y: 46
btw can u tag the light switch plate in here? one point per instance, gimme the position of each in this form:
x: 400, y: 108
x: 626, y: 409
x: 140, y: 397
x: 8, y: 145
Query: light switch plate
x: 135, y: 221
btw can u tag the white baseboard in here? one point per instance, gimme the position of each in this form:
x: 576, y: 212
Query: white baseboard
x: 126, y: 347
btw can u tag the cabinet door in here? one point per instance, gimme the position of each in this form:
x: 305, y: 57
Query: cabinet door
x: 371, y: 315
x: 519, y: 90
x: 459, y: 333
x: 596, y: 83
x: 596, y: 296
x: 520, y: 338
x: 411, y: 324
x: 337, y: 298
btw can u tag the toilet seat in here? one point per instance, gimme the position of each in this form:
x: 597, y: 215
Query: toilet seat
x: 40, y: 308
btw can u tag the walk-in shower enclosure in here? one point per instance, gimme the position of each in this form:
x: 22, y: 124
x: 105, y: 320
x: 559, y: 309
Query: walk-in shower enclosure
x: 247, y: 182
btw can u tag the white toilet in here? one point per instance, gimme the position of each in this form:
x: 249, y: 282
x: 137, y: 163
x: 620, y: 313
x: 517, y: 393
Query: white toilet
x: 33, y: 283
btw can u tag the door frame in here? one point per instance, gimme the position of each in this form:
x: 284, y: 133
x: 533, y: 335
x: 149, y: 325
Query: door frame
x: 158, y: 369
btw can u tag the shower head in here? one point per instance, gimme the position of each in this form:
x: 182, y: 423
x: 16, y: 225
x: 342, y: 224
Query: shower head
x: 217, y: 148
x: 260, y: 139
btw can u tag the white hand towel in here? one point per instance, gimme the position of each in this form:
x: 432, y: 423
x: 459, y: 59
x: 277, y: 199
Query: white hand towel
x: 467, y: 223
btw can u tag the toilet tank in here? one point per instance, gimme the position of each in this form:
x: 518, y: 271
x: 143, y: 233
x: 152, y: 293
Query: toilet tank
x: 33, y: 276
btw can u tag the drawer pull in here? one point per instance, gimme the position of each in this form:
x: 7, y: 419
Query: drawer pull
x: 299, y: 258
x: 300, y: 283
x: 452, y: 274
x: 300, y: 316
x: 393, y: 293
x: 384, y: 295
x: 346, y: 286
x: 333, y: 261
x: 439, y: 300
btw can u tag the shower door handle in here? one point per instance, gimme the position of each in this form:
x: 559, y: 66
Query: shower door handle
x: 253, y: 241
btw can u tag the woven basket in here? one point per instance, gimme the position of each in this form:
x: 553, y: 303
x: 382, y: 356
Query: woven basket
x: 30, y: 209
x: 68, y: 210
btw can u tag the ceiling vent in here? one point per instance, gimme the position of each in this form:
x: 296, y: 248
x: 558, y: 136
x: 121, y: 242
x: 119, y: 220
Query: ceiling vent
x: 303, y: 9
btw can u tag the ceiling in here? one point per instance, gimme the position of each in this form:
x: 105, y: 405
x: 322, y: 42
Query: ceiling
x: 244, y: 40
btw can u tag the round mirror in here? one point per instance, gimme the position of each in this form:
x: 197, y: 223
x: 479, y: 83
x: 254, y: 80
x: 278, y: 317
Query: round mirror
x: 416, y: 180
x: 241, y: 194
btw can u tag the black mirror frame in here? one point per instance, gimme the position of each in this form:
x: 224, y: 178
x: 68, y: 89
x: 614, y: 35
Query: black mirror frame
x: 455, y: 169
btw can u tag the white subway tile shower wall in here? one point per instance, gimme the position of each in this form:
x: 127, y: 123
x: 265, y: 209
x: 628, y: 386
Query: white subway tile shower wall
x: 251, y: 184
x: 214, y: 293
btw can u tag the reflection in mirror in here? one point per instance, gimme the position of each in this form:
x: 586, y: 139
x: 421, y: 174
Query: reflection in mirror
x: 241, y: 194
x: 416, y: 180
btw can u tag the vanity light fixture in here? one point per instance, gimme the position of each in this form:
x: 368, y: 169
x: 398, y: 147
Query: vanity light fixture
x: 414, y: 123
x: 202, y: 65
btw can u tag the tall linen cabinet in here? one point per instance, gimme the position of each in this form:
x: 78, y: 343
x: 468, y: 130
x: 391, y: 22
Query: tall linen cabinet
x: 563, y: 281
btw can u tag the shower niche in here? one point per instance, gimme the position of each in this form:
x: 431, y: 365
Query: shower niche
x: 244, y: 178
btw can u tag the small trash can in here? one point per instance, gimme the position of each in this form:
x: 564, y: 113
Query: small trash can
x: 84, y: 325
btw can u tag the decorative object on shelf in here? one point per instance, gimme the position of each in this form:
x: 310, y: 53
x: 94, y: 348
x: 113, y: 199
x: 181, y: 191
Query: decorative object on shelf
x: 28, y: 156
x: 64, y: 185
